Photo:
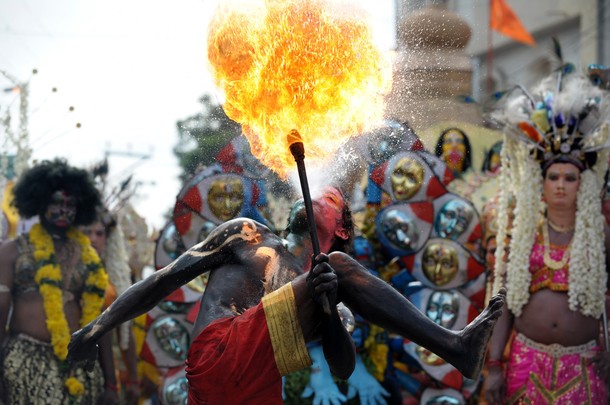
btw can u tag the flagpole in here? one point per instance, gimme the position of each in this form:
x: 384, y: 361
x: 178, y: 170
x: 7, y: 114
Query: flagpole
x: 489, y: 53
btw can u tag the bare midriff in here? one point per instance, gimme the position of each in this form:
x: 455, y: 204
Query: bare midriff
x: 547, y: 319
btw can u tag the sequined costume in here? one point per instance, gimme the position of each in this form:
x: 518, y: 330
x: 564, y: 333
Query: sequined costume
x: 552, y: 374
x: 537, y: 373
x: 241, y: 359
x: 554, y: 158
x: 542, y: 275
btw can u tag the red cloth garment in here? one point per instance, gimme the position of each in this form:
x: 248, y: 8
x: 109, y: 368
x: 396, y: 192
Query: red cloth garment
x: 232, y: 362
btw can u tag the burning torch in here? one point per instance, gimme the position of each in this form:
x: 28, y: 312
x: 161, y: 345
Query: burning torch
x: 298, y: 152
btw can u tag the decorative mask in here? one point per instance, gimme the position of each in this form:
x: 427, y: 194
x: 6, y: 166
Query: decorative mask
x: 453, y: 219
x: 176, y: 392
x: 172, y: 336
x: 429, y: 358
x: 403, y: 228
x: 407, y: 178
x: 226, y: 198
x: 443, y: 264
x: 443, y: 307
x: 454, y: 150
x: 400, y: 229
x: 168, y: 246
x: 448, y: 396
x: 440, y: 263
x: 443, y: 400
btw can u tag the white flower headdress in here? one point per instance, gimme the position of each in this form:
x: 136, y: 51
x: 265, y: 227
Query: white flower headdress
x: 563, y: 119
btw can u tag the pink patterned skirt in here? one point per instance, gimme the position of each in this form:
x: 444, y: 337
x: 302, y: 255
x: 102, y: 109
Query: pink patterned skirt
x: 552, y: 374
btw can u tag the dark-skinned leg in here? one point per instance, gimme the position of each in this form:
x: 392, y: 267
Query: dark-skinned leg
x: 381, y: 304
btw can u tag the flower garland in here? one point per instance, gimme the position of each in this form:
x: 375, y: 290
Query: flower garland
x: 502, y: 216
x: 48, y: 277
x: 525, y: 175
x: 587, y: 276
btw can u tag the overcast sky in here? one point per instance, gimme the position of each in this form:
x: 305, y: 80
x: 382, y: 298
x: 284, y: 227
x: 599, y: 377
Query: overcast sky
x: 130, y: 69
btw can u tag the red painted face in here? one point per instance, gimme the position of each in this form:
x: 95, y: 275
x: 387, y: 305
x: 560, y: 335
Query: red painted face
x: 328, y: 211
x: 61, y: 210
x: 561, y: 185
x: 454, y: 150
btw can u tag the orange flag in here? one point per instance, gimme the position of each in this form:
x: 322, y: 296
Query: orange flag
x: 504, y: 20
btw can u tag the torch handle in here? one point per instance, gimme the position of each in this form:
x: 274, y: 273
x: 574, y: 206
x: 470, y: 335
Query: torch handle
x: 298, y: 152
x: 313, y: 233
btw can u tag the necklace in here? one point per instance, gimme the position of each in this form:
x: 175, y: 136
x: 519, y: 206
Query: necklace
x: 550, y: 262
x: 49, y: 280
x: 560, y: 228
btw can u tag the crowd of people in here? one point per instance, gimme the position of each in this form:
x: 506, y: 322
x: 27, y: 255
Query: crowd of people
x: 434, y: 298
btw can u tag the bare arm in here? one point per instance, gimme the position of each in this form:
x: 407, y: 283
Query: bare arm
x: 145, y: 294
x: 111, y: 390
x: 130, y: 358
x: 8, y: 257
x: 495, y: 384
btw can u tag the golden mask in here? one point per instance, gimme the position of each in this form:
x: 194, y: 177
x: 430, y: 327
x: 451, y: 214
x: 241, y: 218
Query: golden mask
x: 406, y: 178
x: 226, y: 198
x: 429, y: 358
x: 440, y: 263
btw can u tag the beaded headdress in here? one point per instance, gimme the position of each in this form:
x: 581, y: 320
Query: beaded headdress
x: 561, y: 120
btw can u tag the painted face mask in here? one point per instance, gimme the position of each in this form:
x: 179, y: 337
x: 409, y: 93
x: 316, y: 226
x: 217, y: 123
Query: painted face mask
x: 440, y: 263
x: 454, y: 151
x: 443, y: 307
x: 443, y: 400
x: 226, y: 198
x: 176, y: 391
x: 406, y: 178
x: 400, y: 230
x: 427, y: 357
x: 453, y: 219
x: 172, y: 336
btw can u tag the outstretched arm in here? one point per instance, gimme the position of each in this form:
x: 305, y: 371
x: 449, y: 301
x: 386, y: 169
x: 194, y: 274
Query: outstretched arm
x: 145, y: 294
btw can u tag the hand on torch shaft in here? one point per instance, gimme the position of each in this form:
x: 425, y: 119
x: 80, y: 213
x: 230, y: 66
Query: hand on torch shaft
x: 298, y: 152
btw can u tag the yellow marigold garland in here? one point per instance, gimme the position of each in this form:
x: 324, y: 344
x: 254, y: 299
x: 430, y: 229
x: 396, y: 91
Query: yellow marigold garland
x: 74, y: 386
x: 48, y: 277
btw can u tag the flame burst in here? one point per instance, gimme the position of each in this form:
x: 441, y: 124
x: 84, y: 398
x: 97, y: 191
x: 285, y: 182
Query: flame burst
x: 300, y: 64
